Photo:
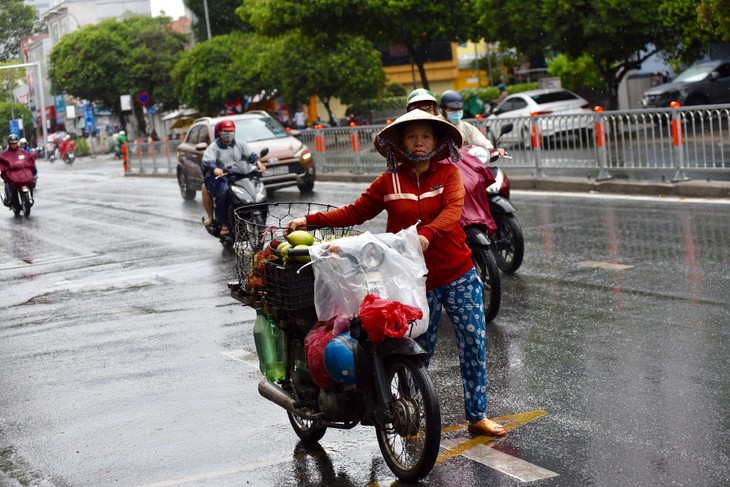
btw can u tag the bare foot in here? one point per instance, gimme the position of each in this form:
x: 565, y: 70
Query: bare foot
x: 224, y: 231
x: 486, y: 427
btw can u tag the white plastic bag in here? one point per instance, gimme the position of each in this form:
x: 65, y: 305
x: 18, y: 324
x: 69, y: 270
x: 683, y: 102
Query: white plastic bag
x: 390, y: 264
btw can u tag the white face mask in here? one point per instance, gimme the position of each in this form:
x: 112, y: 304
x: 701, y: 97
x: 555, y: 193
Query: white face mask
x: 227, y: 137
x: 455, y: 117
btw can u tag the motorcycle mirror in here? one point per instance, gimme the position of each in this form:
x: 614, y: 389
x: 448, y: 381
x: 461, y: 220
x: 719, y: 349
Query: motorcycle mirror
x: 506, y: 129
x: 263, y: 152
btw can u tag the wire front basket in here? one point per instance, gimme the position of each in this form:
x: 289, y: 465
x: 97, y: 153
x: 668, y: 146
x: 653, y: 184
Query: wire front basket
x: 259, y: 229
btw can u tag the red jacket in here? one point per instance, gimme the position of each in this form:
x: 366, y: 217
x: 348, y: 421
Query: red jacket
x: 17, y: 166
x: 68, y: 145
x: 435, y: 198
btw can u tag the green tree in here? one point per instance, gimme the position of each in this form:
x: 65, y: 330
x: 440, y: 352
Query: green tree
x: 219, y: 70
x: 714, y: 15
x: 349, y: 69
x: 21, y: 112
x: 17, y: 20
x: 617, y: 34
x: 411, y: 23
x: 222, y: 16
x: 576, y: 73
x: 116, y: 57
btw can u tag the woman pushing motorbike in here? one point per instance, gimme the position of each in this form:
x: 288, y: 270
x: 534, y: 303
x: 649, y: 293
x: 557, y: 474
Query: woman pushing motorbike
x: 418, y: 187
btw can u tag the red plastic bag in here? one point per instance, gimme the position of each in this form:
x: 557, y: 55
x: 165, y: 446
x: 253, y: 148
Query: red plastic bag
x: 314, y: 344
x: 383, y: 317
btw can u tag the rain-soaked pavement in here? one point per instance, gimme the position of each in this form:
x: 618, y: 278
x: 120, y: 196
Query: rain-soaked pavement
x: 124, y: 361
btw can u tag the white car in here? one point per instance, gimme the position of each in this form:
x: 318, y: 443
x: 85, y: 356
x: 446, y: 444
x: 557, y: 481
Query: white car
x: 561, y: 112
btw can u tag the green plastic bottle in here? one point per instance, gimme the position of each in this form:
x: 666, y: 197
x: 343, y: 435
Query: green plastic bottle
x: 264, y: 341
x: 276, y: 370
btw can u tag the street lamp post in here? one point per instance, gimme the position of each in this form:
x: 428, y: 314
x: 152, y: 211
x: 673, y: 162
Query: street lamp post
x: 207, y: 20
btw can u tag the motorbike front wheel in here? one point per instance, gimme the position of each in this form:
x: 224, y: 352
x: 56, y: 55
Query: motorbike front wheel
x: 25, y: 202
x: 488, y: 272
x: 508, y: 244
x: 409, y: 441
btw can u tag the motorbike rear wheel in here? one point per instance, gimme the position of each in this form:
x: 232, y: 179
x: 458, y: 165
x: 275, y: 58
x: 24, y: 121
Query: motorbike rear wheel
x: 25, y: 202
x: 410, y: 440
x: 488, y: 272
x: 306, y: 430
x: 508, y: 244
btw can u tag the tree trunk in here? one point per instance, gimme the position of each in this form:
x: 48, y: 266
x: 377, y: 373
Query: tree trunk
x: 418, y: 60
x: 326, y: 103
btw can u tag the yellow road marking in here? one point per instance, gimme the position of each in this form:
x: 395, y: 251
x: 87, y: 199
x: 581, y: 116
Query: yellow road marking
x: 604, y: 265
x: 512, y: 421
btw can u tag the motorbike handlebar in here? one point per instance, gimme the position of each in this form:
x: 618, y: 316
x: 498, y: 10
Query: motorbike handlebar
x: 303, y: 252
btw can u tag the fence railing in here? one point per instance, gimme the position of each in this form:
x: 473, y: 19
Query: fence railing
x: 671, y: 143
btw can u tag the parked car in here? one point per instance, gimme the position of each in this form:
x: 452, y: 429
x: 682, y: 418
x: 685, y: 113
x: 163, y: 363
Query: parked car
x: 554, y: 101
x: 288, y: 162
x: 705, y: 83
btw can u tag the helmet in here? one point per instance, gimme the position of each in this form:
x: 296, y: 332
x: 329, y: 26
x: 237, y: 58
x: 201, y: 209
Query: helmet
x: 68, y: 137
x: 122, y: 132
x: 501, y: 86
x: 23, y: 141
x: 452, y: 99
x: 339, y: 358
x: 421, y: 94
x: 12, y: 139
x: 226, y: 126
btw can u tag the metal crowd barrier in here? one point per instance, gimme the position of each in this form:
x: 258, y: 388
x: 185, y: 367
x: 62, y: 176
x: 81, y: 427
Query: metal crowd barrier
x: 673, y: 143
x: 152, y: 158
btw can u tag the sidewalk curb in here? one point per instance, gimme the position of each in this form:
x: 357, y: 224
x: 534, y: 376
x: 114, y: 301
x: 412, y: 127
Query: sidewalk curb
x: 687, y: 189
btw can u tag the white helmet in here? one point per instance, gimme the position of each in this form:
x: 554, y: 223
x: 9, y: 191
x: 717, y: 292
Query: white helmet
x: 68, y: 137
x: 122, y: 132
x: 23, y: 141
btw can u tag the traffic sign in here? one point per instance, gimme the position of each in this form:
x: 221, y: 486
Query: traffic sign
x: 143, y: 97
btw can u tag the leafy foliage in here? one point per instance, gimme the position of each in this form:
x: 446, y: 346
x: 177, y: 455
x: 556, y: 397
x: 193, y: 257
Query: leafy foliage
x: 222, y: 18
x: 21, y: 111
x: 617, y: 34
x: 219, y: 70
x: 103, y: 61
x: 576, y: 73
x: 411, y: 23
x: 17, y: 20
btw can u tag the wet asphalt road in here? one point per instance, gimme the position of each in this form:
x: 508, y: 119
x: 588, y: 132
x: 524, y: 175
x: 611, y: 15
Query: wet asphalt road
x: 124, y: 360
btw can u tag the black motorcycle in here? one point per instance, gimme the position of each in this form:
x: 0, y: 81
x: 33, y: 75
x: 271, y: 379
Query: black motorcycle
x: 486, y: 268
x: 245, y: 188
x: 18, y: 198
x: 387, y: 386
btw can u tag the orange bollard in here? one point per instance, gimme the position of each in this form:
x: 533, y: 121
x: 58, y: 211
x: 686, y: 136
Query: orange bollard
x: 319, y: 144
x: 535, y: 129
x: 167, y: 148
x: 355, y: 138
x: 599, y: 126
x: 676, y: 126
x: 124, y: 156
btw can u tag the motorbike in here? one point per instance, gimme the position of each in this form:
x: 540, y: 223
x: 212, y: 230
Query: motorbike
x: 474, y: 220
x: 385, y: 385
x: 18, y: 198
x: 508, y: 244
x: 245, y: 188
x: 70, y: 157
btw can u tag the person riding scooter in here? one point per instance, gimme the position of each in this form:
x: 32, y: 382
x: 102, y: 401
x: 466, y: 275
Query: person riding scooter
x: 16, y: 168
x: 66, y: 147
x: 224, y: 151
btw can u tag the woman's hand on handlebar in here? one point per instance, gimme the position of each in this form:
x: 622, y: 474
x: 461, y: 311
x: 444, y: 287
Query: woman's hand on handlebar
x: 217, y: 172
x: 296, y: 224
x: 261, y: 166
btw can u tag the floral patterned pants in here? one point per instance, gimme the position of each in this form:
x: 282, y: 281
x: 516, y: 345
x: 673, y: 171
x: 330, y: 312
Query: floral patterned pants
x: 463, y: 301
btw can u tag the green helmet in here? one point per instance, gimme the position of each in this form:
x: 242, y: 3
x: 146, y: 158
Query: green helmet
x: 421, y: 94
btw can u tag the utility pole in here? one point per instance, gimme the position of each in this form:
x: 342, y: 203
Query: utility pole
x: 207, y: 20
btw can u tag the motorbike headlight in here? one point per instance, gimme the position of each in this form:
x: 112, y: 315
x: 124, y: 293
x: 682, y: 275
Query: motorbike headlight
x: 371, y: 256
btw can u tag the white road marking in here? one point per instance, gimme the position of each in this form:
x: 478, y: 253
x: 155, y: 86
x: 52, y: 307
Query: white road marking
x: 502, y: 462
